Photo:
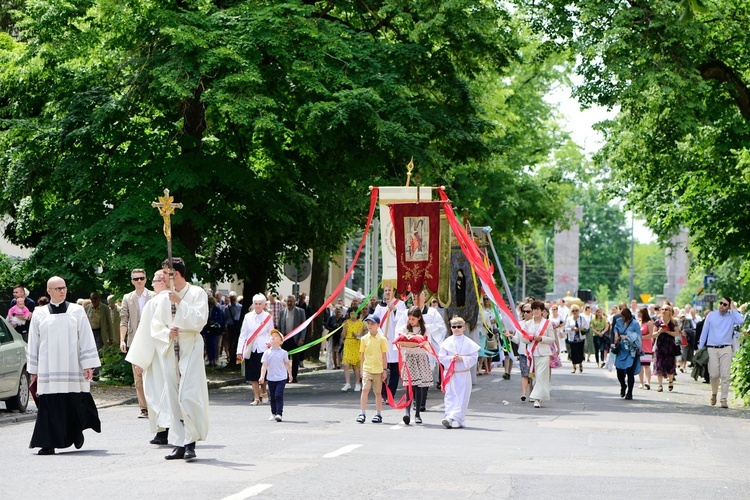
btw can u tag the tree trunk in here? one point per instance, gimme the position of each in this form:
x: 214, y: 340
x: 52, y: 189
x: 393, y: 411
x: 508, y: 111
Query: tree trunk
x: 254, y: 281
x: 318, y: 284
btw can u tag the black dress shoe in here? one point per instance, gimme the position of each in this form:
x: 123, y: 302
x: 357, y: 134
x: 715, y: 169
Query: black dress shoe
x: 78, y: 443
x: 190, y: 451
x: 161, y: 437
x: 177, y: 454
x: 46, y: 451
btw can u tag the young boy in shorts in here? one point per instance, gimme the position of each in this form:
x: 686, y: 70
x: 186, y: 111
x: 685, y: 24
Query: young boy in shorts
x: 372, y: 349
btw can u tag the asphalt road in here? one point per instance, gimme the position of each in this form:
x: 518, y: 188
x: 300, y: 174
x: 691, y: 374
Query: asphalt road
x: 585, y: 443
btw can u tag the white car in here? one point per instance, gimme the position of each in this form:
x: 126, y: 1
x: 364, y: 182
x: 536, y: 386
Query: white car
x: 14, y: 379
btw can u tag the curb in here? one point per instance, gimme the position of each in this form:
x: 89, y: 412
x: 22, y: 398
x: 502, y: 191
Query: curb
x: 31, y: 415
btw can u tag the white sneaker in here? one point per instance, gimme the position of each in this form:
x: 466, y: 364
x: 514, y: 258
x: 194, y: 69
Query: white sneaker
x: 346, y: 387
x: 278, y: 418
x: 357, y: 388
x: 456, y: 425
x: 272, y: 417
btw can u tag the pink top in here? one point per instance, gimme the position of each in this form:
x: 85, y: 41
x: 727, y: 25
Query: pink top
x: 26, y: 314
x: 647, y: 344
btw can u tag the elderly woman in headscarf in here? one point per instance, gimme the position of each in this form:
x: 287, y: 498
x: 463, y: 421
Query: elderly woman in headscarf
x: 627, y: 359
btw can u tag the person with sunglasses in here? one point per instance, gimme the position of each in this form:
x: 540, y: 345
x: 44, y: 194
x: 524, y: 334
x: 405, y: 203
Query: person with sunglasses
x: 458, y: 355
x: 717, y: 336
x: 130, y: 317
x: 664, y: 351
x: 521, y: 353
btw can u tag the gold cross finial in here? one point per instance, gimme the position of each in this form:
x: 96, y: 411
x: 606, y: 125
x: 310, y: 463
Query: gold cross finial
x: 166, y: 210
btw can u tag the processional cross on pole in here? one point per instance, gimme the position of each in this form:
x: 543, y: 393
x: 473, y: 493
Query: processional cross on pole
x: 166, y: 207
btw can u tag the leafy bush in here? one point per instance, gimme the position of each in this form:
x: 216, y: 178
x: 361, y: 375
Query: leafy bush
x: 114, y: 368
x: 741, y: 370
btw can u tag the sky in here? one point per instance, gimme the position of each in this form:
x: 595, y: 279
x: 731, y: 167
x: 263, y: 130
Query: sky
x: 580, y: 122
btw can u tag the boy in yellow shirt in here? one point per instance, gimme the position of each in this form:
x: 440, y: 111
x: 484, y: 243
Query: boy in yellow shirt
x: 372, y: 349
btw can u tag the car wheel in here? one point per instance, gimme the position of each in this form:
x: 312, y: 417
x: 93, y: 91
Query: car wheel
x: 21, y: 400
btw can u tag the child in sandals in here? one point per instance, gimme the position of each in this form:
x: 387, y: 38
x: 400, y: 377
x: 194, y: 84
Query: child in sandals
x: 373, y: 349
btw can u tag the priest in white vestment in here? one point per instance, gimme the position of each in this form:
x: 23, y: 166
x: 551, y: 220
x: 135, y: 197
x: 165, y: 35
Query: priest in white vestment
x: 461, y: 352
x: 62, y: 358
x: 187, y: 387
x: 147, y: 355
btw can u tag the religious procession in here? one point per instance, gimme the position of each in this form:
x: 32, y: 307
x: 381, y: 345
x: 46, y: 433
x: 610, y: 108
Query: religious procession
x: 453, y: 248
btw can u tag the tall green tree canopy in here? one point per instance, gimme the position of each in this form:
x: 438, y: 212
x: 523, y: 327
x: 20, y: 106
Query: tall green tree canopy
x: 267, y: 119
x: 678, y: 73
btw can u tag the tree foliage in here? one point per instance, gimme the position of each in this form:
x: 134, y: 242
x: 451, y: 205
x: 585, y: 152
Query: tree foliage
x: 678, y: 73
x: 268, y: 120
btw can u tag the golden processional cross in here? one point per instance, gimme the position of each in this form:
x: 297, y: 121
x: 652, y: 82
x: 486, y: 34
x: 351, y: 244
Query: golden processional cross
x: 166, y: 208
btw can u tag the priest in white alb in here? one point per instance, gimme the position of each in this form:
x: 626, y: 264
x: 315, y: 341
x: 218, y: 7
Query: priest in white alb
x: 187, y: 388
x: 458, y: 354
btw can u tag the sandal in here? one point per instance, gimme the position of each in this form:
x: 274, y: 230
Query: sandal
x: 670, y: 387
x: 648, y: 387
x: 255, y: 402
x: 361, y: 418
x: 660, y: 389
x: 377, y: 419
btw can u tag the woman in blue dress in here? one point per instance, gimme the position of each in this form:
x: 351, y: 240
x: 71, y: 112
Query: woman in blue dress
x: 627, y: 360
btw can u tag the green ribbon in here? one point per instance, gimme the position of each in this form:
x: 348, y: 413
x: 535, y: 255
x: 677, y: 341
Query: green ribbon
x: 325, y: 337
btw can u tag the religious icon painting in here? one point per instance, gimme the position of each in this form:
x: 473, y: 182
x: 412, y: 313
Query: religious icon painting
x: 417, y: 234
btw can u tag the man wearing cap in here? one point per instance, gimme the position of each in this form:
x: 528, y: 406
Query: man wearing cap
x: 717, y: 335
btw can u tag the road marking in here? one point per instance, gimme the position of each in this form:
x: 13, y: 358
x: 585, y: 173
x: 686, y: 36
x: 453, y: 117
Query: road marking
x: 397, y: 427
x: 249, y: 492
x: 341, y: 451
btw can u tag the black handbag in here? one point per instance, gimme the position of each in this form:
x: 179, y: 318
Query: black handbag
x: 615, y: 349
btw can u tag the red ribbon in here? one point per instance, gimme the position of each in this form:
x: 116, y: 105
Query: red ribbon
x: 337, y: 291
x: 260, y: 328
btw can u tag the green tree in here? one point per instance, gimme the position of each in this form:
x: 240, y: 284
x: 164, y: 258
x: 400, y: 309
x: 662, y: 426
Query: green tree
x: 678, y: 73
x: 650, y: 271
x: 268, y: 120
x: 604, y: 242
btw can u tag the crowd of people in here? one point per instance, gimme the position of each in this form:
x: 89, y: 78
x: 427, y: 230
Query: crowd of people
x: 170, y: 336
x: 646, y: 341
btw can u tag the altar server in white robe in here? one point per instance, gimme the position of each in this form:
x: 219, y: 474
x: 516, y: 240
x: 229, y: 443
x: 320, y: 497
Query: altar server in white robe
x: 187, y: 388
x: 149, y: 355
x: 462, y: 352
x: 62, y: 356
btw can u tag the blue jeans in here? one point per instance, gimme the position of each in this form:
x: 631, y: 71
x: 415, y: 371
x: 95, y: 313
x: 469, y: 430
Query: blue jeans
x: 276, y: 396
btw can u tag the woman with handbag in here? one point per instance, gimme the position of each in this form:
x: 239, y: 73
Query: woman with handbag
x: 628, y: 345
x: 599, y: 329
x: 665, y: 334
x: 575, y: 328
